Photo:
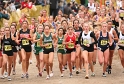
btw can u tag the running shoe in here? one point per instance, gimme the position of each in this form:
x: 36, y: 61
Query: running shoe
x: 44, y: 69
x: 87, y: 77
x: 47, y: 77
x: 14, y: 73
x: 94, y: 63
x: 5, y: 74
x: 70, y: 75
x: 19, y: 62
x: 61, y: 75
x: 65, y: 67
x: 27, y: 76
x: 40, y: 74
x: 2, y: 77
x: 93, y: 74
x: 103, y: 75
x: 23, y: 76
x: 73, y: 68
x: 30, y: 61
x: 77, y: 72
x: 9, y: 78
x: 51, y: 74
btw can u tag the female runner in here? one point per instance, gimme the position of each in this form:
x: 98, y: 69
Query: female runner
x: 46, y: 41
x: 38, y: 49
x: 88, y: 41
x: 104, y: 40
x: 25, y: 38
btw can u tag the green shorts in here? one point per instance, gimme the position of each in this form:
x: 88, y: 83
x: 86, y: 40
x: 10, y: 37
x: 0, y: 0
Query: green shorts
x: 61, y: 51
x: 37, y: 50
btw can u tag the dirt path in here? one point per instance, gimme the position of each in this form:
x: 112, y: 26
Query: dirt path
x: 115, y: 78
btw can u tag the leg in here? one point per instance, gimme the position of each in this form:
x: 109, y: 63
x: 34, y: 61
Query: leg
x: 14, y: 60
x: 1, y: 61
x: 20, y: 57
x: 10, y: 60
x: 41, y: 61
x: 28, y: 54
x: 106, y: 57
x: 51, y: 57
x: 111, y: 52
x: 121, y: 55
x: 60, y: 59
x: 38, y: 62
x: 46, y: 61
x: 77, y: 58
x: 69, y: 62
x: 23, y: 54
x: 4, y: 63
x: 85, y: 56
x: 90, y: 57
x: 100, y: 57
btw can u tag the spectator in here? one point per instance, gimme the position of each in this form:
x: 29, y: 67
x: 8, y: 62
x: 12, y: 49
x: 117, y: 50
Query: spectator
x: 68, y: 10
x: 54, y: 7
x: 3, y: 14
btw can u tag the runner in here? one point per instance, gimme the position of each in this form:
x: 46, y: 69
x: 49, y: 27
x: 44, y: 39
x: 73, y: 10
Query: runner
x: 14, y: 34
x: 7, y: 51
x: 87, y: 37
x: 111, y: 48
x: 62, y: 58
x: 69, y: 41
x: 121, y: 45
x: 25, y: 38
x: 104, y: 40
x: 38, y: 50
x: 46, y: 41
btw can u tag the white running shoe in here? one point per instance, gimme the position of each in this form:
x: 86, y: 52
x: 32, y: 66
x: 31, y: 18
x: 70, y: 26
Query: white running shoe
x: 47, y: 77
x: 2, y: 77
x: 9, y: 78
x: 61, y: 75
x: 51, y: 74
x: 5, y: 74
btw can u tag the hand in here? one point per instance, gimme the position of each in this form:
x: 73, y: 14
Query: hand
x: 88, y: 45
x: 110, y: 44
x: 55, y: 45
x: 18, y: 41
x: 38, y: 40
x: 46, y: 45
x: 77, y: 45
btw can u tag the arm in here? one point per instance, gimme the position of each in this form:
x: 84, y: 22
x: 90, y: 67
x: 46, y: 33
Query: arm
x: 93, y: 36
x: 34, y: 39
x: 79, y: 39
x: 110, y: 39
x: 54, y: 39
x: 31, y: 36
x: 115, y: 35
x: 17, y: 38
x: 64, y: 42
x: 41, y: 42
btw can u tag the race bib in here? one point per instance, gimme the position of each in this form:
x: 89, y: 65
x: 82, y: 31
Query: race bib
x: 38, y: 44
x: 85, y: 42
x: 25, y: 42
x: 8, y: 47
x: 49, y: 46
x: 121, y: 14
x: 71, y: 45
x: 104, y: 42
x: 60, y: 46
x: 122, y: 41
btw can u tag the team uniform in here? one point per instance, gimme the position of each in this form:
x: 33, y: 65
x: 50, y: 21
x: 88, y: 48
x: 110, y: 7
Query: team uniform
x: 7, y: 46
x: 87, y: 39
x: 121, y: 39
x: 37, y: 46
x: 48, y: 40
x: 25, y: 43
x: 71, y: 46
x: 103, y: 43
x: 61, y: 47
x: 112, y: 47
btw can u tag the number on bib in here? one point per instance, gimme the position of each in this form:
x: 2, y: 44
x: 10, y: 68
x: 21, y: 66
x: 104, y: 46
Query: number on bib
x: 104, y: 42
x: 60, y: 46
x: 8, y: 47
x: 49, y: 46
x: 71, y: 45
x: 38, y: 44
x: 122, y: 41
x: 25, y: 42
x: 85, y: 42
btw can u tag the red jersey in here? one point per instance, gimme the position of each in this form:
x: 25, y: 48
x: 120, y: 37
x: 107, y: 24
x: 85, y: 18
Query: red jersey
x: 73, y: 41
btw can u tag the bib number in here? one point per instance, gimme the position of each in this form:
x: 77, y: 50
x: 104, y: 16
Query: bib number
x: 8, y: 47
x: 25, y: 42
x: 60, y: 46
x: 122, y: 41
x: 71, y: 45
x: 38, y: 44
x: 85, y: 42
x: 104, y: 42
x: 49, y: 46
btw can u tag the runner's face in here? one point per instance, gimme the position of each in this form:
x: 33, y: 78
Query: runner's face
x: 24, y: 24
x: 12, y: 29
x: 76, y: 24
x: 109, y: 24
x: 32, y: 21
x: 64, y: 24
x: 60, y: 31
x: 2, y: 31
x: 86, y: 27
x: 7, y: 31
x: 70, y: 30
x: 46, y: 29
x: 40, y: 29
x: 104, y: 27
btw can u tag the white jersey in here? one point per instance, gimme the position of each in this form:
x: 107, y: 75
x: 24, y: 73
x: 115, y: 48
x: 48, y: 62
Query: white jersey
x: 111, y: 32
x: 92, y: 7
x: 121, y: 39
x: 86, y: 38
